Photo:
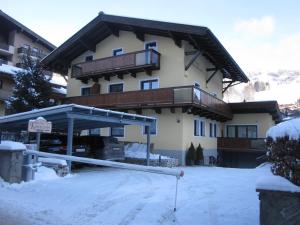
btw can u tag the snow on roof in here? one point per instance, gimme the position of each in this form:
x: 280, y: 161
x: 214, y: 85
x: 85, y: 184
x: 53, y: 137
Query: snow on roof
x: 59, y: 90
x: 289, y: 128
x: 12, y: 146
x: 9, y: 69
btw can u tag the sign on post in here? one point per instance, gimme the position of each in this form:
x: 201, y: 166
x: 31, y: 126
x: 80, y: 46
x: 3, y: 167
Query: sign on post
x: 40, y: 125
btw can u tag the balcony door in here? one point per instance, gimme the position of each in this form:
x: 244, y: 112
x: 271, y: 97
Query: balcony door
x: 148, y: 46
x: 114, y: 88
x: 197, y: 92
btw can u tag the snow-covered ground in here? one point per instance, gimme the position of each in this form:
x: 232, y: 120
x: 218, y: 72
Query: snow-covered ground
x: 206, y: 195
x: 139, y: 151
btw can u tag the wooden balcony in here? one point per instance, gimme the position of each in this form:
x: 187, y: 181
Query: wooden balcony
x: 6, y: 49
x: 189, y: 98
x: 242, y: 144
x: 129, y: 63
x: 36, y: 54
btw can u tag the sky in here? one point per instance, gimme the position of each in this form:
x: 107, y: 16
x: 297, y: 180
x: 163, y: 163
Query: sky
x: 260, y: 35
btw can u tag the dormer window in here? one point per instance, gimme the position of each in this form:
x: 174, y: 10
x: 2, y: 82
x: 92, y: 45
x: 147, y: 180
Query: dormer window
x: 151, y: 45
x: 89, y: 58
x: 117, y: 51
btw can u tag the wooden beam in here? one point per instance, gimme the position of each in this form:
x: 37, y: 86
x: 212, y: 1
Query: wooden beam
x: 95, y: 79
x: 88, y: 46
x: 139, y: 35
x: 176, y: 40
x: 193, y: 41
x: 211, y: 69
x: 192, y: 60
x: 133, y: 75
x: 107, y: 78
x: 157, y: 110
x: 114, y: 31
x: 172, y: 110
x: 228, y: 86
x: 85, y: 81
x: 211, y: 76
x: 120, y: 76
x: 191, y: 52
x: 148, y: 72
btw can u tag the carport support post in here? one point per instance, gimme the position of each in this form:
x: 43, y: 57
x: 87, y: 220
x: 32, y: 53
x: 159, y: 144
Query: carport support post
x: 148, y: 145
x: 70, y: 139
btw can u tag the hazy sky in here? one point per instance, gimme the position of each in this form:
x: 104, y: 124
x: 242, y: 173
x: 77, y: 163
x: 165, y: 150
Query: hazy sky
x: 260, y: 35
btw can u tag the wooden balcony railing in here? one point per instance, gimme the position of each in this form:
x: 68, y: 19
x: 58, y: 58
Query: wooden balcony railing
x: 23, y: 50
x: 125, y: 63
x: 242, y: 144
x: 163, y: 97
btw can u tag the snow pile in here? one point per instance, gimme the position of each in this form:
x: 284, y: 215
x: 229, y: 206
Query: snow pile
x: 269, y: 181
x: 9, y: 69
x: 12, y: 145
x: 44, y: 173
x: 139, y: 151
x: 289, y: 128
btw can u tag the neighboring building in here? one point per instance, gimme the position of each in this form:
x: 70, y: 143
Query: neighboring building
x: 15, y: 41
x: 176, y: 73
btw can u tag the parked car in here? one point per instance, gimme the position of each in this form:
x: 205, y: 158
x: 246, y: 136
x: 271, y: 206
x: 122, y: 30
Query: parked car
x: 57, y: 143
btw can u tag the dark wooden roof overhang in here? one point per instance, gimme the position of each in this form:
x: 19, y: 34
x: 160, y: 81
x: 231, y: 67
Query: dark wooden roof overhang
x: 8, y: 23
x: 105, y: 25
x: 270, y: 107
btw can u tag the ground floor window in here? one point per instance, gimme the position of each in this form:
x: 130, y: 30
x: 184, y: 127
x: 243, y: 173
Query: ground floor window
x: 242, y: 131
x: 117, y: 131
x: 153, y: 129
x: 199, y: 128
x: 213, y: 130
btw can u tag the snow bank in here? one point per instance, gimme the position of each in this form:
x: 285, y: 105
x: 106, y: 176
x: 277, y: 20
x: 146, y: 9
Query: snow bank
x: 275, y: 183
x: 290, y: 128
x: 139, y: 151
x: 12, y: 145
x: 44, y: 173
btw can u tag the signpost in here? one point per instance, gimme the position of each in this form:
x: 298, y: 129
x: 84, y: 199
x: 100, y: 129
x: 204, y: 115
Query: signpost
x: 38, y: 126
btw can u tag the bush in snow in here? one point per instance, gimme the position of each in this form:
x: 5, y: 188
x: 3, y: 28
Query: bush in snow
x: 32, y: 88
x: 190, y: 155
x: 199, y: 155
x: 284, y: 153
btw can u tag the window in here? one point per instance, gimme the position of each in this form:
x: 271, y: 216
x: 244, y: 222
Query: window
x: 117, y: 131
x: 149, y: 84
x: 210, y: 129
x: 95, y: 132
x: 35, y: 49
x: 26, y: 46
x: 242, y: 131
x: 215, y: 130
x: 115, y: 88
x: 199, y: 128
x: 118, y: 51
x: 85, y: 91
x: 153, y: 128
x: 151, y: 45
x: 89, y: 58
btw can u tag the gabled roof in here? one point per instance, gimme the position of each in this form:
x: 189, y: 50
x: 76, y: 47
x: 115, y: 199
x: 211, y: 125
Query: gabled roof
x: 270, y: 107
x: 7, y: 22
x: 104, y: 25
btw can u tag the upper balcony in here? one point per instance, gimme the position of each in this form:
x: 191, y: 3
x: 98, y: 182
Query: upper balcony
x: 191, y: 99
x: 6, y: 49
x: 129, y: 63
x: 36, y: 54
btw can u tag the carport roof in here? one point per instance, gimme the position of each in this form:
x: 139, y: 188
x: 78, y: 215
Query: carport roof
x: 84, y: 118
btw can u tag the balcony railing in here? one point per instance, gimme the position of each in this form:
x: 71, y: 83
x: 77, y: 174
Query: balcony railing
x: 121, y: 64
x: 186, y: 96
x: 6, y: 49
x: 23, y: 50
x: 242, y: 144
x: 2, y: 61
x: 4, y: 46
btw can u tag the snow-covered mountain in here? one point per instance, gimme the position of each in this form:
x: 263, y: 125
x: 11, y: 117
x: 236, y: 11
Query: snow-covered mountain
x: 283, y: 86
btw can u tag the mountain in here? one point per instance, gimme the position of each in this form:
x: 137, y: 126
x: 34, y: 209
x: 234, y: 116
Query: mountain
x: 282, y: 85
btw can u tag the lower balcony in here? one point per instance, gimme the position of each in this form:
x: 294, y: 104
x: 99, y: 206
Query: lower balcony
x: 242, y: 144
x: 6, y: 49
x: 191, y: 99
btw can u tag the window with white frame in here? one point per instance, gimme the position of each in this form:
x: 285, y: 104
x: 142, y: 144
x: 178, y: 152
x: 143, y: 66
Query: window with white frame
x: 117, y: 51
x: 151, y: 45
x: 199, y: 128
x: 89, y: 58
x: 153, y: 128
x: 117, y: 131
x: 149, y: 84
x: 85, y: 91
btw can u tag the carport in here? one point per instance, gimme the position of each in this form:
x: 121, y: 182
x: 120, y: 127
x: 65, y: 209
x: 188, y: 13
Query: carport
x: 72, y: 118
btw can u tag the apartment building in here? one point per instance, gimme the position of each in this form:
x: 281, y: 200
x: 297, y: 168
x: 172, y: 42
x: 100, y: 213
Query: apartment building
x: 15, y: 41
x: 174, y: 72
